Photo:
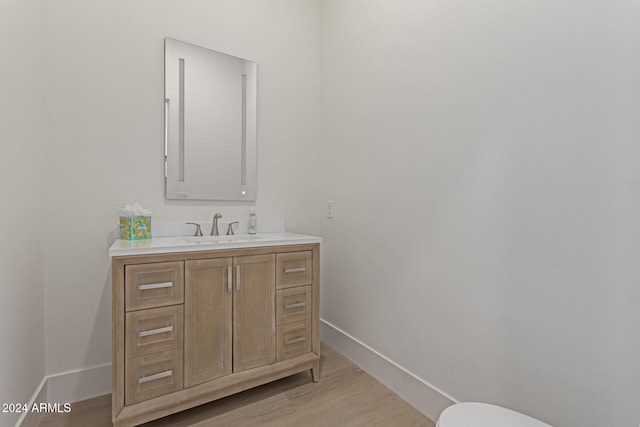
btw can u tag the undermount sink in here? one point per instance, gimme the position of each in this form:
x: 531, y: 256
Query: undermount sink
x: 222, y: 239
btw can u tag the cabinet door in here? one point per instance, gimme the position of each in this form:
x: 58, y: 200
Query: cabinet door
x: 253, y: 312
x: 207, y: 320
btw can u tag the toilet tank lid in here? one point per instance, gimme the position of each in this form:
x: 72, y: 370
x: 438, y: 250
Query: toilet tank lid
x: 485, y: 415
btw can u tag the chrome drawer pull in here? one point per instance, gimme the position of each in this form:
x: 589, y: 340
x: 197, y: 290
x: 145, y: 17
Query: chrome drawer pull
x: 155, y: 286
x: 155, y: 331
x: 295, y: 340
x: 295, y: 270
x: 155, y: 377
x: 229, y: 279
x: 298, y: 304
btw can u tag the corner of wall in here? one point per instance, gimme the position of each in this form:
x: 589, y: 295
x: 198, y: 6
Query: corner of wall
x: 67, y: 387
x: 32, y: 419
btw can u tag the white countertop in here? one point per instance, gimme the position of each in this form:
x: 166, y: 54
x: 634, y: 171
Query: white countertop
x: 161, y: 245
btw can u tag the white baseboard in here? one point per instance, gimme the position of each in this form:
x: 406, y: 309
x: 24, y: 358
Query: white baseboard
x: 68, y: 387
x: 416, y: 391
x: 79, y: 384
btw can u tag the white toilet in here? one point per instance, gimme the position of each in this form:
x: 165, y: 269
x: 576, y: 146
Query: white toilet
x: 473, y: 414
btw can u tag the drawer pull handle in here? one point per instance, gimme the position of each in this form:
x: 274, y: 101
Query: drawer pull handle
x: 295, y: 340
x: 155, y: 331
x: 237, y: 278
x: 155, y: 286
x: 295, y: 270
x: 155, y: 377
x: 298, y: 304
x: 229, y: 279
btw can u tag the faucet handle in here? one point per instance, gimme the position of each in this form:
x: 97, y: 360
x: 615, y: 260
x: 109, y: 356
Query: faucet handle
x: 198, y: 230
x: 230, y: 228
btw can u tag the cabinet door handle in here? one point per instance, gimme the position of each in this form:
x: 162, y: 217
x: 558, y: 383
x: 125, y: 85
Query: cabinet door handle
x: 294, y: 340
x: 298, y: 304
x: 237, y: 277
x: 155, y: 331
x: 229, y: 279
x: 155, y: 377
x: 295, y: 270
x: 155, y: 286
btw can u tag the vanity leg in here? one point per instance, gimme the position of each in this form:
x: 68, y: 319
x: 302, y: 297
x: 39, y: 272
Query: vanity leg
x: 315, y: 372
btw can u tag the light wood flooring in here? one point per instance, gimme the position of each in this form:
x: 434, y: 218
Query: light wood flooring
x: 344, y: 396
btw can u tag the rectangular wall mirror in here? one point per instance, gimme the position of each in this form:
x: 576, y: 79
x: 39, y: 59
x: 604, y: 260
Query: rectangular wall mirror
x: 210, y: 124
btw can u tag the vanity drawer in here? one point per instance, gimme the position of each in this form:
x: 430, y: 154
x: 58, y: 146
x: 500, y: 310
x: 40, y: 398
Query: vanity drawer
x: 293, y: 339
x: 154, y: 285
x: 293, y: 269
x: 293, y: 304
x: 154, y: 330
x: 153, y: 375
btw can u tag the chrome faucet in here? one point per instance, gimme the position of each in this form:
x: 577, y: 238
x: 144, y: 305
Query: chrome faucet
x: 214, y: 227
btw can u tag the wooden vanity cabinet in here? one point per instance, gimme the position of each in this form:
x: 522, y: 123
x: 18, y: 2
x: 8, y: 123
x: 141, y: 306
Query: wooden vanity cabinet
x: 192, y: 327
x: 208, y: 320
x: 229, y: 316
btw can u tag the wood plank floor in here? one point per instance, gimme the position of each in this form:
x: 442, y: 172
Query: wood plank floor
x: 344, y: 396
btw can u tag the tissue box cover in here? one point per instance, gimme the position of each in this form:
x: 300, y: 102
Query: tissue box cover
x: 135, y: 227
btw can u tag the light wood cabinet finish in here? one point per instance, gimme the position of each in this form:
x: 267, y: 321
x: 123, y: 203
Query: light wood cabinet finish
x: 254, y: 312
x: 208, y: 316
x: 293, y: 339
x: 154, y: 285
x: 294, y: 269
x: 153, y: 375
x: 192, y: 327
x: 154, y: 330
x: 293, y: 304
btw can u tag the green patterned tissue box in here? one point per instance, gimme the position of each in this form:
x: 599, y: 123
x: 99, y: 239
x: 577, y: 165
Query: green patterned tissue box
x: 135, y: 227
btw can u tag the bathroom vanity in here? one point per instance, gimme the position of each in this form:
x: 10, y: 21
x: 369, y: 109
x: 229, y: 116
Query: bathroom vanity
x: 198, y: 319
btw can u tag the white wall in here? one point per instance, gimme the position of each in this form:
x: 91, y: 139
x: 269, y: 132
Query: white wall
x: 481, y: 155
x: 22, y: 356
x: 104, y: 148
x: 483, y: 160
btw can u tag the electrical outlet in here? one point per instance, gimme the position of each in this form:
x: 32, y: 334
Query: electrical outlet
x: 330, y: 209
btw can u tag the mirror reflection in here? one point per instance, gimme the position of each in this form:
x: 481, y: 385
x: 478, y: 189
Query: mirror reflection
x: 210, y: 124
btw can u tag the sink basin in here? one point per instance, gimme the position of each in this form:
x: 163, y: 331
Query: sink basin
x: 222, y: 239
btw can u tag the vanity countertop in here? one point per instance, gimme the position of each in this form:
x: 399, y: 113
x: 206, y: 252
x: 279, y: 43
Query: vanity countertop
x: 161, y: 245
